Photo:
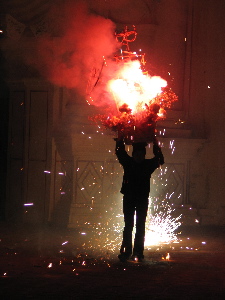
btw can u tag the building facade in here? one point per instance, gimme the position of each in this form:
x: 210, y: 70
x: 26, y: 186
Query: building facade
x: 60, y: 168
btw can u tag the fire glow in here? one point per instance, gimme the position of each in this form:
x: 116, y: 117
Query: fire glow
x: 134, y: 100
x: 134, y: 88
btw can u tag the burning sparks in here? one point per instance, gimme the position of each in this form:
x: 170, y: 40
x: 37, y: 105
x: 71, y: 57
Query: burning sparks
x: 172, y: 147
x: 106, y: 237
x: 135, y: 100
x: 166, y: 257
x: 139, y: 106
x: 161, y: 226
x: 64, y: 243
x: 133, y: 87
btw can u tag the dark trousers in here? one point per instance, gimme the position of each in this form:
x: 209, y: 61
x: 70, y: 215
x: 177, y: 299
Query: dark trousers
x: 130, y: 205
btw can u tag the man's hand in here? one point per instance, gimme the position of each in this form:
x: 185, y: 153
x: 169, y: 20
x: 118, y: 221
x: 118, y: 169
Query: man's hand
x: 156, y: 148
x: 157, y: 151
x: 155, y: 141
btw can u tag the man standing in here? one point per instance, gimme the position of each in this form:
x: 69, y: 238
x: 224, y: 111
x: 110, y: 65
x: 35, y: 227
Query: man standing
x: 135, y: 190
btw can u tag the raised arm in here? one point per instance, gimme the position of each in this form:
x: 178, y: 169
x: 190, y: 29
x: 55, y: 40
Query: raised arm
x: 120, y: 151
x: 158, y: 152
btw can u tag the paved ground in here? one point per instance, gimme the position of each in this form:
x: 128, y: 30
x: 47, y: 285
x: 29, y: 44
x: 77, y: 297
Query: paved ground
x: 36, y: 264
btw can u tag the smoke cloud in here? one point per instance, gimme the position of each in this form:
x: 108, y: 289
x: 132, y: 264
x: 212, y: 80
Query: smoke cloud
x: 83, y: 38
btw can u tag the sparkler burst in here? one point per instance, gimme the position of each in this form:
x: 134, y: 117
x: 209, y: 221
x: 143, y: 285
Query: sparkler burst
x: 104, y: 238
x: 161, y: 226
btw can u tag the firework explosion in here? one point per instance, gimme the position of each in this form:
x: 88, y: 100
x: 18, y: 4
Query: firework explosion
x: 131, y: 101
x: 135, y: 100
x: 140, y: 102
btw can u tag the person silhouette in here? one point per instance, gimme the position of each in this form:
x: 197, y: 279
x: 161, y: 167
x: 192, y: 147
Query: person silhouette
x: 135, y: 189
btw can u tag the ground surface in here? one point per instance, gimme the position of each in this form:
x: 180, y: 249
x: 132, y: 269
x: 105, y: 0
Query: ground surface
x: 44, y: 264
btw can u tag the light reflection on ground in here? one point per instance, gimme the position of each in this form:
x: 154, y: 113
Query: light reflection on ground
x: 38, y: 263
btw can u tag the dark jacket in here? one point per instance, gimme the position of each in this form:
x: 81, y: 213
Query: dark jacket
x: 136, y: 178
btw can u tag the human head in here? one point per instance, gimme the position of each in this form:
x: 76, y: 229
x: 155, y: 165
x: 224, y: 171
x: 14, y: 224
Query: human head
x: 139, y: 152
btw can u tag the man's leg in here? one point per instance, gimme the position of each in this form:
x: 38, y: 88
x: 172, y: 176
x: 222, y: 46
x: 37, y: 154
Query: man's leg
x: 141, y: 213
x: 128, y: 210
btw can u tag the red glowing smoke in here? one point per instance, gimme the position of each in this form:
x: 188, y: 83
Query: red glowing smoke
x: 81, y: 42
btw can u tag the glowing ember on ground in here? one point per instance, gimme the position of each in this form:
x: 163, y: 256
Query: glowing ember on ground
x: 50, y: 265
x: 166, y: 257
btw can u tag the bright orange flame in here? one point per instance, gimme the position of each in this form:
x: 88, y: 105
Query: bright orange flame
x: 133, y: 87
